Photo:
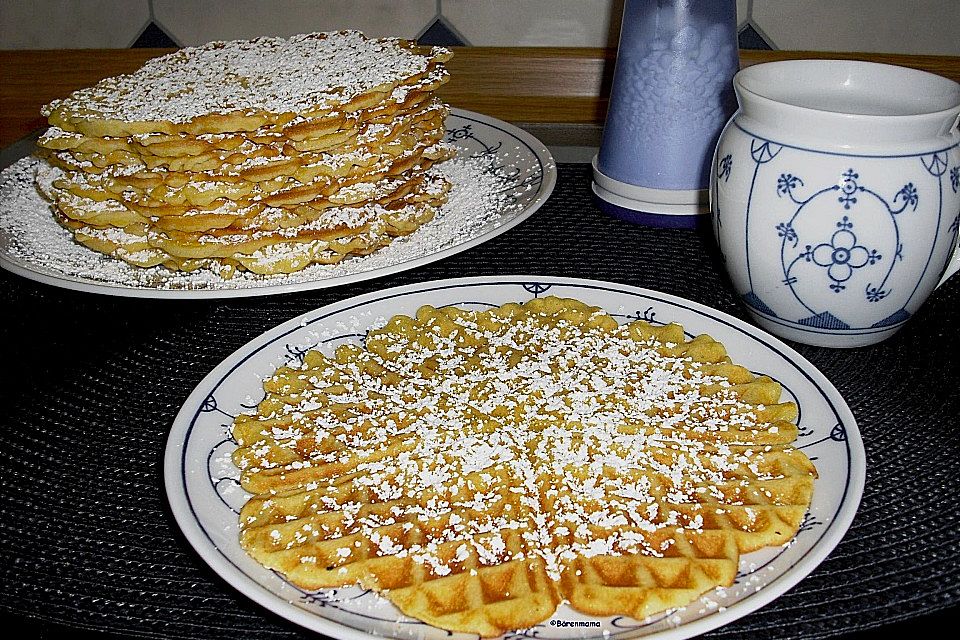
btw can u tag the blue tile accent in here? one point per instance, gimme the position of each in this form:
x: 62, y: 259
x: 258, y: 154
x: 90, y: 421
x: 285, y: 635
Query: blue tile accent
x: 441, y: 34
x: 153, y: 37
x: 750, y: 38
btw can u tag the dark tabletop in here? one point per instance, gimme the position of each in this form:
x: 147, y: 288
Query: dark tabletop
x: 87, y: 541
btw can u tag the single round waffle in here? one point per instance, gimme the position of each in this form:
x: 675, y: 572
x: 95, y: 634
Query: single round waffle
x: 244, y: 85
x: 208, y: 152
x: 479, y: 468
x: 310, y: 177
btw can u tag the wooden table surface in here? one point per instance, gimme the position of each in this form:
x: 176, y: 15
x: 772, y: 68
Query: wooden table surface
x: 520, y: 84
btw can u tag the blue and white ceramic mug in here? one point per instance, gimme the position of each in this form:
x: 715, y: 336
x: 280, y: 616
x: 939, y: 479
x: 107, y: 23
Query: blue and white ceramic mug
x: 835, y: 196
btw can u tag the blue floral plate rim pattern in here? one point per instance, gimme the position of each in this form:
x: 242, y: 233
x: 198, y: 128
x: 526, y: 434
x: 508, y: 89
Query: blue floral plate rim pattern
x: 201, y: 486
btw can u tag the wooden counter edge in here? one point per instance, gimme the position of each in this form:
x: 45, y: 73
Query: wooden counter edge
x: 519, y: 84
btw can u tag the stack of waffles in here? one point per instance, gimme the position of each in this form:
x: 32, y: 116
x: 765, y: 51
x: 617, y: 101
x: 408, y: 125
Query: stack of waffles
x: 266, y: 155
x: 479, y: 468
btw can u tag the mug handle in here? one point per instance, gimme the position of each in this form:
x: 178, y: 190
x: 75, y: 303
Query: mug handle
x: 954, y: 264
x: 952, y: 267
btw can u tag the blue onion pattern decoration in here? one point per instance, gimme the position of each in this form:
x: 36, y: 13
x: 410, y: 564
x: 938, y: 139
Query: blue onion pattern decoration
x: 955, y: 185
x: 516, y: 178
x: 841, y: 256
x: 855, y: 259
x: 536, y: 288
x: 722, y: 171
x: 725, y: 168
x: 762, y: 152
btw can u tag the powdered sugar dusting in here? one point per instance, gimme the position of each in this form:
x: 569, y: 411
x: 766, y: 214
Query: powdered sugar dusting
x: 276, y: 75
x: 545, y: 432
x: 480, y: 201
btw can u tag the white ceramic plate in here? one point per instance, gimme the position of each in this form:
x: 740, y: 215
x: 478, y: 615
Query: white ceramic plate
x: 519, y: 167
x: 203, y: 489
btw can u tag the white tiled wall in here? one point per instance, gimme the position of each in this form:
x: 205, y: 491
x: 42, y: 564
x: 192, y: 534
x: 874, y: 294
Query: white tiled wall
x: 55, y: 24
x: 505, y: 23
x: 893, y: 26
x: 192, y: 23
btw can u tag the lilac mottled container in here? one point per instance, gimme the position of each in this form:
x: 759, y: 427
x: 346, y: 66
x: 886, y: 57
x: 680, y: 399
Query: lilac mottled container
x: 672, y: 93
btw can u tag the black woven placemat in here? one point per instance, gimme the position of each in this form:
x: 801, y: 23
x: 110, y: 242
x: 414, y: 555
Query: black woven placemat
x: 87, y: 540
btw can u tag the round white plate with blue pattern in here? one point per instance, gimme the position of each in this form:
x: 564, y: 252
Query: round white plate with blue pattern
x: 202, y: 483
x: 500, y: 177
